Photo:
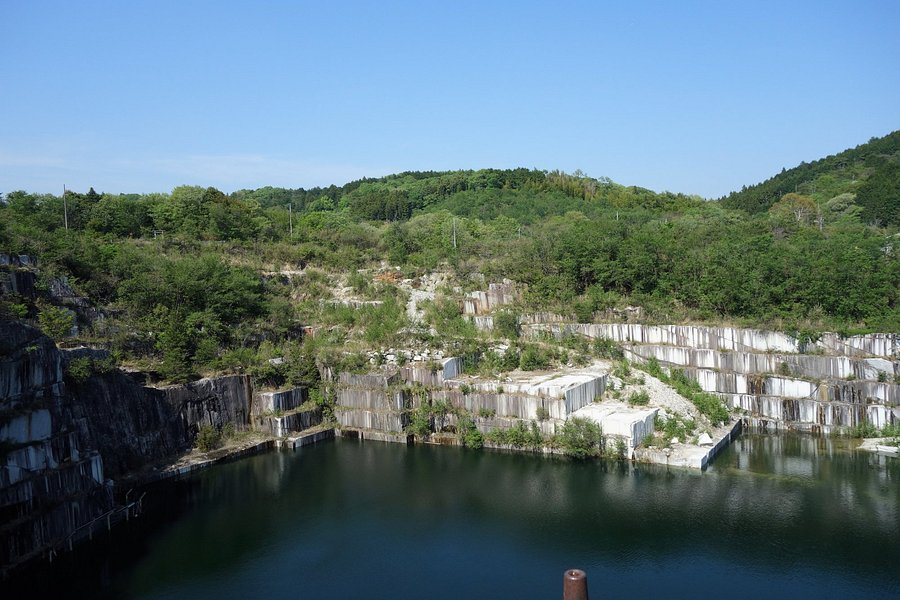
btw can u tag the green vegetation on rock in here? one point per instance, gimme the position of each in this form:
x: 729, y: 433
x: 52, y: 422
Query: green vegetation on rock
x: 196, y: 281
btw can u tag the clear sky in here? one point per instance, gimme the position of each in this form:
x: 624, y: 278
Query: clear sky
x: 694, y: 97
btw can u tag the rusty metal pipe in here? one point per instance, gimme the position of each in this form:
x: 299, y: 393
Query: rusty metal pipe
x: 575, y: 585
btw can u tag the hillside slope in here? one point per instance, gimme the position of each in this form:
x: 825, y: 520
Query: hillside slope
x: 870, y: 173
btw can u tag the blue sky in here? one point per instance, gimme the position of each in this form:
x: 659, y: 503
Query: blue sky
x: 694, y: 97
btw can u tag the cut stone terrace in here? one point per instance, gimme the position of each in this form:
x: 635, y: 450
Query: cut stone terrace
x: 381, y: 401
x: 772, y: 377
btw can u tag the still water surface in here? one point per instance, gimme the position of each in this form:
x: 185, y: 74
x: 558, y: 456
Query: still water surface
x: 774, y: 516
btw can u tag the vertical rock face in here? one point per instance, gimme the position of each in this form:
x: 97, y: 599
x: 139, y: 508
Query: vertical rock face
x: 51, y: 483
x: 214, y: 401
x: 384, y: 400
x: 498, y: 294
x: 834, y: 382
x: 17, y: 275
x: 61, y: 442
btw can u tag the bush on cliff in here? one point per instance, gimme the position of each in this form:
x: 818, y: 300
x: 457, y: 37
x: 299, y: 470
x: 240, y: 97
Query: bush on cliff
x: 208, y: 438
x: 582, y: 438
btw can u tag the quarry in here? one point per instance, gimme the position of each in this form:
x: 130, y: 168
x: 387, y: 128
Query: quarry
x: 76, y: 450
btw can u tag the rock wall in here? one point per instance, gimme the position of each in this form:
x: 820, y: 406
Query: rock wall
x: 297, y: 421
x: 281, y: 401
x: 62, y: 442
x: 280, y: 414
x: 886, y: 345
x: 17, y: 275
x: 375, y: 400
x: 832, y: 384
x: 383, y: 400
x: 498, y: 294
x: 50, y: 482
x: 214, y: 401
x: 801, y: 365
x: 448, y: 368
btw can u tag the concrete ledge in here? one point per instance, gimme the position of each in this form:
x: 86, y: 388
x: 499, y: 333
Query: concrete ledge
x: 692, y: 457
x: 305, y: 439
x: 370, y: 434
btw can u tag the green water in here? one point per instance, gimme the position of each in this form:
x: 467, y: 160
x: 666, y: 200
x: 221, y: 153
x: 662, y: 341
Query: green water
x: 780, y: 516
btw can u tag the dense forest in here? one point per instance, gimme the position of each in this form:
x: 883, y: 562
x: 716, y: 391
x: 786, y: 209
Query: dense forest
x: 194, y: 280
x: 864, y: 179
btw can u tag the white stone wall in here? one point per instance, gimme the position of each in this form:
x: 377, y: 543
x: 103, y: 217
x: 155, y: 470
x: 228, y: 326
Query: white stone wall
x: 498, y: 294
x: 366, y: 419
x: 875, y: 344
x: 284, y: 400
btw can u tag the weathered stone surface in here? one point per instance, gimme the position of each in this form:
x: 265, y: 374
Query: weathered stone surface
x: 214, y: 401
x: 283, y: 400
x: 30, y: 366
x: 17, y: 281
x: 498, y: 294
x: 290, y: 423
x: 63, y: 441
x: 798, y: 365
x: 886, y: 345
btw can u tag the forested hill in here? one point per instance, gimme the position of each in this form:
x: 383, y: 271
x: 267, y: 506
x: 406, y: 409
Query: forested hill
x: 867, y: 177
x: 525, y: 195
x: 196, y: 281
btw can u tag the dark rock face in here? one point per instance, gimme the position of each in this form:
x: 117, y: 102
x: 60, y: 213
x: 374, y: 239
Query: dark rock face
x: 127, y: 424
x: 61, y: 442
x: 15, y: 281
x: 213, y: 401
x: 17, y: 275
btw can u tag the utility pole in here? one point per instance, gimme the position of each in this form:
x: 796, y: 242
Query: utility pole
x: 65, y: 208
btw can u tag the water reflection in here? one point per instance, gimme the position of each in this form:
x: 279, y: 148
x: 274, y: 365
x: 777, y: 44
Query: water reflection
x: 784, y: 515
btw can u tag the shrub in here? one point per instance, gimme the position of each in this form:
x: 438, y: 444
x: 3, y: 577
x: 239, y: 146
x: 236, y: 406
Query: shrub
x: 607, y: 348
x: 208, y: 438
x: 710, y: 406
x: 17, y: 310
x: 506, y: 324
x: 863, y: 430
x: 890, y: 431
x: 641, y: 398
x: 486, y: 413
x: 542, y: 413
x: 56, y: 322
x: 581, y: 438
x: 532, y: 359
x: 536, y: 438
x: 517, y: 436
x: 80, y: 369
x: 622, y: 370
x: 621, y: 448
x: 652, y: 367
x: 439, y: 410
x: 673, y: 427
x: 420, y: 422
x: 584, y: 311
x: 469, y: 434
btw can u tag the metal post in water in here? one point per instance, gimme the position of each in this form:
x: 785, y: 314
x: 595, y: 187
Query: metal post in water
x: 575, y: 585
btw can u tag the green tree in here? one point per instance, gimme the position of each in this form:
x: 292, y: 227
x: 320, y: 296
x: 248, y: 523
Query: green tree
x: 56, y: 322
x: 581, y: 438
